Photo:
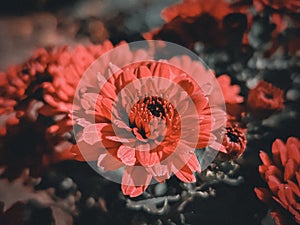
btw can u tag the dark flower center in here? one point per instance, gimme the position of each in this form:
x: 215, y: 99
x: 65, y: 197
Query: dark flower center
x: 269, y: 95
x: 155, y: 106
x: 233, y: 136
x: 145, y: 110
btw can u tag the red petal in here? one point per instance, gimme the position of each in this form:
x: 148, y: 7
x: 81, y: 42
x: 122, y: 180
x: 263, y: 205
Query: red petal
x: 85, y: 152
x: 273, y: 183
x: 289, y: 170
x: 143, y: 71
x: 147, y: 157
x: 108, y: 162
x: 161, y: 69
x: 279, y: 218
x: 185, y: 174
x: 135, y: 180
x: 282, y: 197
x: 127, y: 155
x: 294, y: 187
x: 273, y: 170
x: 278, y: 148
x: 298, y: 177
x: 160, y: 172
x: 290, y: 196
x: 181, y: 168
x: 95, y: 132
x: 294, y: 152
x: 265, y: 158
x: 263, y: 194
x: 262, y: 170
x: 293, y: 140
x: 193, y: 163
x: 126, y: 78
x: 276, y: 152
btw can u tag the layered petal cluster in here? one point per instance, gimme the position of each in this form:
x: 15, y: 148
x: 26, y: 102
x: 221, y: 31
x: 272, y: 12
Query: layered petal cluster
x: 265, y: 99
x: 281, y: 172
x: 234, y: 142
x: 66, y: 71
x: 230, y: 92
x: 18, y: 83
x: 145, y: 120
x: 38, y: 95
x: 192, y: 21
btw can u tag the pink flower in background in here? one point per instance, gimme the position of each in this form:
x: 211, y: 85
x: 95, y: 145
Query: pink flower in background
x: 230, y: 92
x: 281, y: 172
x: 265, y: 99
x: 144, y: 121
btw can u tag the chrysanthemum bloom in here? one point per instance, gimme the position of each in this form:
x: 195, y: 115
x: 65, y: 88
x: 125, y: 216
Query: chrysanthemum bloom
x: 234, y: 142
x: 230, y: 92
x: 193, y: 21
x: 18, y: 84
x: 283, y: 178
x: 65, y: 71
x: 233, y: 100
x: 39, y: 94
x: 265, y: 99
x: 149, y: 117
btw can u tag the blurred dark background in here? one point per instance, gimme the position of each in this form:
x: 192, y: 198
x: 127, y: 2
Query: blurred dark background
x: 28, y: 24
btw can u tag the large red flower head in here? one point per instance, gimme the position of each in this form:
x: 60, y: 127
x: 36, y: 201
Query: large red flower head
x: 282, y: 175
x: 146, y: 116
x: 38, y: 94
x: 17, y: 84
x: 234, y: 142
x: 192, y: 21
x: 65, y: 71
x: 265, y: 99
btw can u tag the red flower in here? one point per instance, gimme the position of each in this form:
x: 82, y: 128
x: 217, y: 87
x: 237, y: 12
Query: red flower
x: 193, y: 21
x: 66, y: 71
x: 283, y: 178
x: 290, y: 6
x: 265, y: 99
x: 143, y: 119
x: 234, y: 142
x: 39, y: 94
x: 230, y: 92
x: 14, y: 87
x: 191, y: 8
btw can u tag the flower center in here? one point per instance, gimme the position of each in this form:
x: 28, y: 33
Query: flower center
x: 151, y: 117
x: 155, y: 106
x: 269, y: 95
x: 233, y: 136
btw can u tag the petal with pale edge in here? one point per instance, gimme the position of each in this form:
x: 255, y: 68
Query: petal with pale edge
x: 127, y: 155
x: 108, y: 162
x: 94, y: 133
x: 135, y: 180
